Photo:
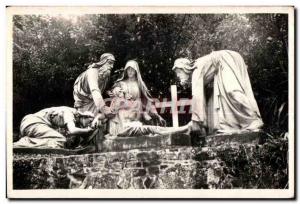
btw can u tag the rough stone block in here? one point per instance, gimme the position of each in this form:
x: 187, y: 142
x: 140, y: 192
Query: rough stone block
x: 139, y: 172
x: 153, y: 162
x: 241, y: 138
x: 99, y: 158
x: 202, y: 156
x: 163, y: 166
x: 146, y: 164
x: 145, y: 142
x: 153, y: 170
x: 130, y: 164
x: 117, y: 165
x: 143, y: 156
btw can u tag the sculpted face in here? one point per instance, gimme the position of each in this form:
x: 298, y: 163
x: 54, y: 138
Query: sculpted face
x: 182, y: 76
x: 85, y: 118
x: 107, y: 67
x: 85, y: 121
x: 131, y: 73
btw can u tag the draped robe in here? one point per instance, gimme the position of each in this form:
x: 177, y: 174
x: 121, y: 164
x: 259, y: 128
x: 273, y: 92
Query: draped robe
x: 46, y: 128
x: 127, y: 122
x: 82, y: 92
x: 221, y: 110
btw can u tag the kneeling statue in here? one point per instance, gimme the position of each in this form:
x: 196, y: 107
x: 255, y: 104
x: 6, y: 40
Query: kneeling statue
x: 50, y: 127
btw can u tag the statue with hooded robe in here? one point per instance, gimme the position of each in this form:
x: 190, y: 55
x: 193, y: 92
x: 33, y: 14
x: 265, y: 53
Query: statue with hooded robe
x: 90, y: 85
x: 135, y: 113
x: 222, y: 96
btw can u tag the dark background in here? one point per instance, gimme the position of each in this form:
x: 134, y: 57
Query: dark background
x: 49, y: 52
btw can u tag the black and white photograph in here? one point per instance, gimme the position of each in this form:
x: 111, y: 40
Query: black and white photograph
x: 150, y: 102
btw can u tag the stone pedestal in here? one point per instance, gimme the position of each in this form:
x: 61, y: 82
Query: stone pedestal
x: 153, y: 168
x: 241, y: 138
x: 145, y: 142
x: 170, y: 162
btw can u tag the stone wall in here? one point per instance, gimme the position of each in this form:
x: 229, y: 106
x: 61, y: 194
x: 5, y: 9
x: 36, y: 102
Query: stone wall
x: 221, y: 163
x: 153, y: 168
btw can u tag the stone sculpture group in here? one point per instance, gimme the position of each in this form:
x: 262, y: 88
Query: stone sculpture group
x: 222, y: 102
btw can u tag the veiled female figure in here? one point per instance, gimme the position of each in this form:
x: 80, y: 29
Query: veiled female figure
x: 138, y: 104
x: 134, y: 106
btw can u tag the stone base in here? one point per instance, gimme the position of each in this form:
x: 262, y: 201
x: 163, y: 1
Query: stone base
x: 241, y: 138
x: 117, y: 144
x: 132, y: 169
x: 215, y: 165
x: 25, y: 150
x: 145, y: 142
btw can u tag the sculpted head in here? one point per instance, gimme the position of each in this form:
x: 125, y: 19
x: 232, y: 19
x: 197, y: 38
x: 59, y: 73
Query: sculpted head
x: 105, y: 64
x: 131, y: 69
x: 84, y: 118
x: 183, y: 69
x: 132, y: 72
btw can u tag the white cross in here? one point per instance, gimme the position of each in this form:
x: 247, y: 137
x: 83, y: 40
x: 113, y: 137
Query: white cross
x: 174, y: 103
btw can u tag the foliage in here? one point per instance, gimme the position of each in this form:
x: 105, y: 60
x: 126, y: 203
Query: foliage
x: 249, y: 166
x: 49, y: 52
x: 235, y: 164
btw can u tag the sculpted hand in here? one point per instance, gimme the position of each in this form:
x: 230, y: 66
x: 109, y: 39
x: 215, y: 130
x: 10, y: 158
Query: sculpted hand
x: 147, y: 117
x: 89, y: 129
x: 98, y: 121
x: 161, y: 121
x: 107, y: 112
